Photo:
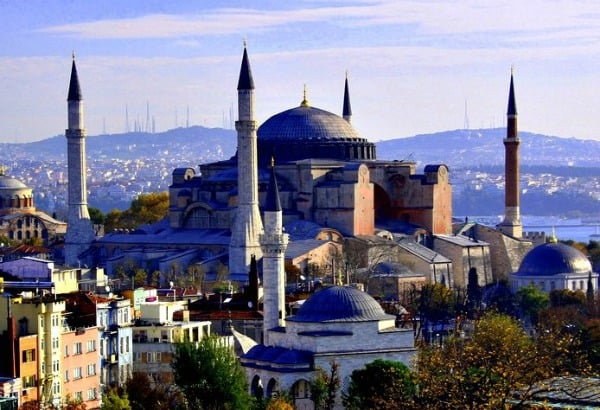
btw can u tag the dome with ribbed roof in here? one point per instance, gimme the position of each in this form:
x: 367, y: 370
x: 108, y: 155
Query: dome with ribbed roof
x: 309, y: 132
x: 339, y: 304
x: 554, y: 259
x: 306, y: 123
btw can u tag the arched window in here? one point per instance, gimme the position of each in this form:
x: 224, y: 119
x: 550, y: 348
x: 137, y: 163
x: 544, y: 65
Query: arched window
x: 256, y: 388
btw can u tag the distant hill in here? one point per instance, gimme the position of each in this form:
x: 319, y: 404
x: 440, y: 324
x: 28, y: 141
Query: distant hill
x: 457, y: 149
x: 186, y: 143
x: 470, y: 148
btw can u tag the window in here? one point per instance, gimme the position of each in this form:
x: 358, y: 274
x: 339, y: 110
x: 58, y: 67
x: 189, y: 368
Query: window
x: 78, y: 396
x: 77, y: 349
x: 137, y: 357
x: 57, y: 387
x: 67, y: 375
x: 28, y: 381
x: 91, y: 394
x: 91, y: 369
x: 77, y: 373
x: 91, y: 345
x: 55, y: 366
x: 154, y: 357
x: 66, y: 350
x: 28, y: 355
x: 55, y: 343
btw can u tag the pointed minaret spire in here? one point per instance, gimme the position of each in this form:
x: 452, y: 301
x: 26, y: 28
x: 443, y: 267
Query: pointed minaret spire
x: 273, y: 243
x: 245, y: 82
x: 80, y: 232
x: 512, y: 103
x: 511, y: 225
x: 247, y: 224
x: 74, y: 89
x: 272, y: 203
x: 347, y: 110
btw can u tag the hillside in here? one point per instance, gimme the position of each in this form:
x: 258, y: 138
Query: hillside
x: 457, y: 149
x: 472, y: 148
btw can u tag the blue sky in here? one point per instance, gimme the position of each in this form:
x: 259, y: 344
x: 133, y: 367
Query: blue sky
x: 413, y: 66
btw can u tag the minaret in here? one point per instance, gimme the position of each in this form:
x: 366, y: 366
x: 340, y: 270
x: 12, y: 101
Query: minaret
x: 347, y: 110
x: 80, y: 232
x: 273, y: 243
x: 512, y: 215
x: 247, y: 224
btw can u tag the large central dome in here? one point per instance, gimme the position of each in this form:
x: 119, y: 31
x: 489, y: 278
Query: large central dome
x: 308, y: 132
x: 306, y: 123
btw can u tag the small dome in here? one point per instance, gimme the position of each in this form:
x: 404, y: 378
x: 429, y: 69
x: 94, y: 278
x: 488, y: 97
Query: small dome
x: 7, y: 182
x: 554, y: 259
x: 339, y: 304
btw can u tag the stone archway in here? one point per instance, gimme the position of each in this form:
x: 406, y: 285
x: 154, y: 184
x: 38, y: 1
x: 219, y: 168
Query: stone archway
x: 300, y: 393
x: 382, y: 203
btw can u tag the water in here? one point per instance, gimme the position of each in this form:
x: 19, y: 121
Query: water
x: 563, y: 228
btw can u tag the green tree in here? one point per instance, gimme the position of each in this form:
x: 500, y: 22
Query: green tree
x: 324, y: 387
x: 115, y: 399
x: 96, y: 215
x: 210, y: 375
x: 382, y: 384
x: 532, y: 300
x: 565, y: 297
x: 145, y: 209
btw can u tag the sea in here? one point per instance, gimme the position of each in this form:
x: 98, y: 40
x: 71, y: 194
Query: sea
x: 576, y: 229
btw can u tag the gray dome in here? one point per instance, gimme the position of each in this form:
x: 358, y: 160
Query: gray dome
x: 7, y: 182
x: 554, y: 259
x: 308, y: 132
x: 306, y: 123
x: 339, y: 304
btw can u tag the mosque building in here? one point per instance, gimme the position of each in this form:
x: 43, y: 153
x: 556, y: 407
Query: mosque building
x: 555, y: 266
x: 331, y: 187
x: 19, y: 219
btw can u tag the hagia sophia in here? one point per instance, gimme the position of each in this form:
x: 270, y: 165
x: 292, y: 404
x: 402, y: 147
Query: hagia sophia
x: 332, y: 189
x: 304, y: 188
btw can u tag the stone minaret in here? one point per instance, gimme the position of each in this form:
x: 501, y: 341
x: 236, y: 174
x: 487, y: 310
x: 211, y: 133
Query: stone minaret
x: 247, y: 224
x: 273, y: 243
x: 80, y: 232
x: 512, y: 215
x: 347, y: 110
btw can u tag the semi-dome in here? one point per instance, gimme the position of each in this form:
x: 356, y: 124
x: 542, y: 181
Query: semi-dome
x: 339, y: 304
x: 554, y: 259
x: 309, y: 132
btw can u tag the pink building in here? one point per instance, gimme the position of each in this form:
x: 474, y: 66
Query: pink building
x: 81, y: 366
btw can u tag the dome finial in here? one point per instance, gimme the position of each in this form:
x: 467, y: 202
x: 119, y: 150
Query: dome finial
x: 305, y: 102
x: 73, y: 54
x: 553, y: 238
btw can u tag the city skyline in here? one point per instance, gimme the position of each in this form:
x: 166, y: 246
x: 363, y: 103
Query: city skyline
x: 413, y: 67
